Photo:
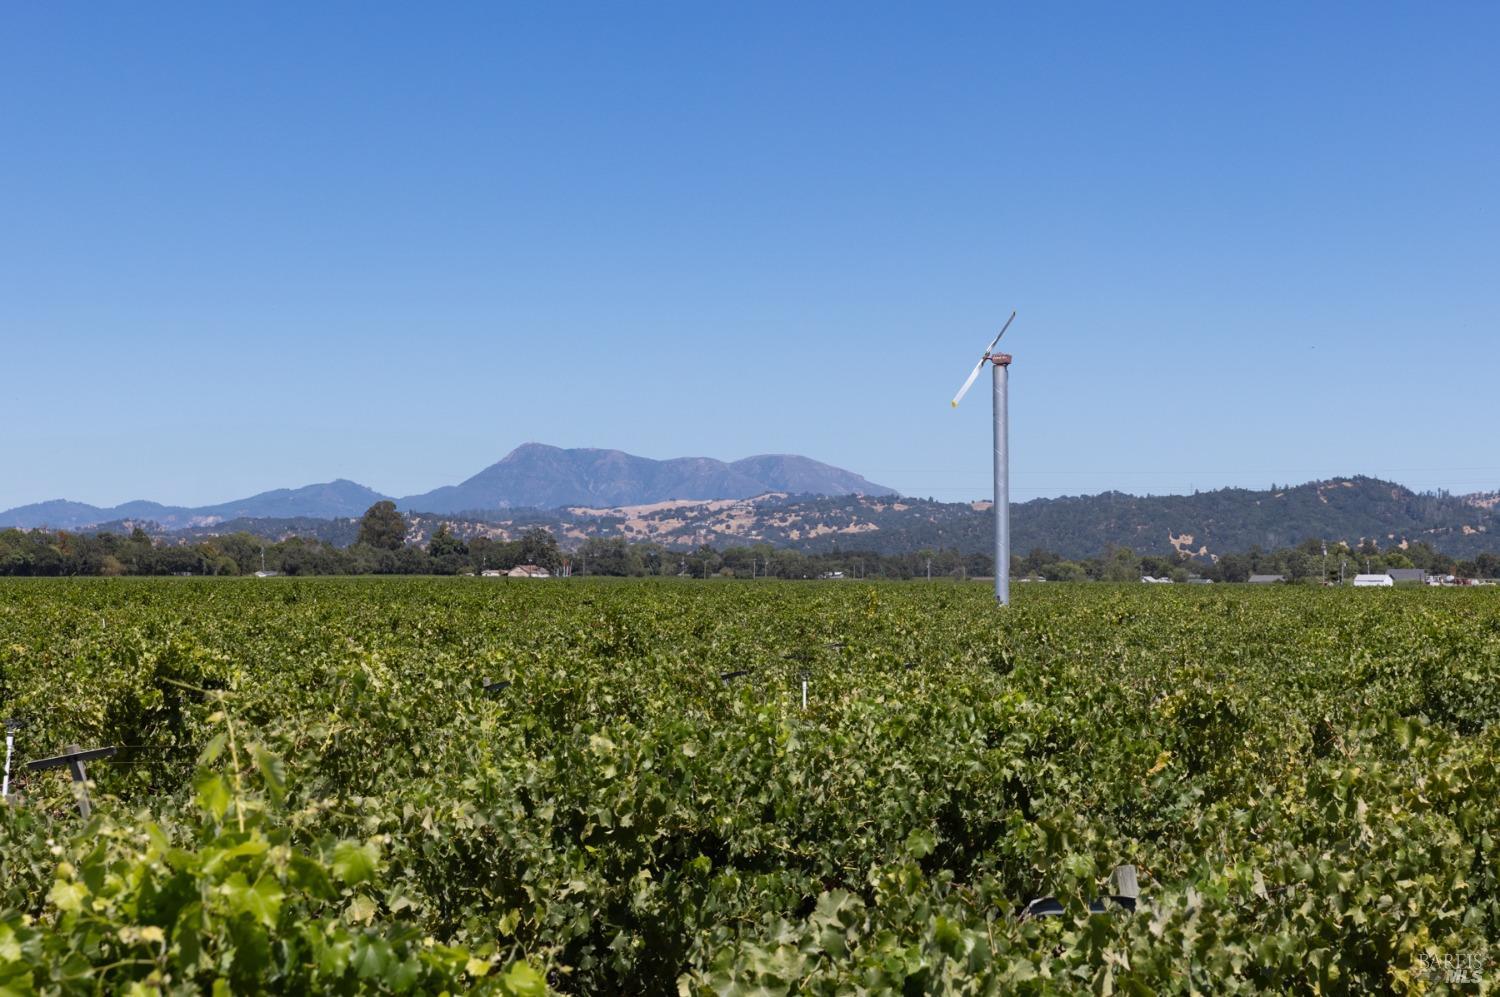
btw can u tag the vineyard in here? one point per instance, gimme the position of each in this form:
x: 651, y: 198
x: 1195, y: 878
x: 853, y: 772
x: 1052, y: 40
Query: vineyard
x: 418, y: 785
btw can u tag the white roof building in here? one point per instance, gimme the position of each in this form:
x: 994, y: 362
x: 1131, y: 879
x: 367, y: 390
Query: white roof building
x: 1372, y: 581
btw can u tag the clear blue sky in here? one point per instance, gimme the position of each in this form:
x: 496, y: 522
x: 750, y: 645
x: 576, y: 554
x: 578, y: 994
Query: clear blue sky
x: 249, y: 246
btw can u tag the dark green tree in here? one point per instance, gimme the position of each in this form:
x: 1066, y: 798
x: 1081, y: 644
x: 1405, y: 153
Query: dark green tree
x: 1064, y: 571
x: 449, y: 554
x: 445, y: 544
x: 611, y: 556
x: 382, y: 527
x: 539, y: 547
x: 1121, y: 565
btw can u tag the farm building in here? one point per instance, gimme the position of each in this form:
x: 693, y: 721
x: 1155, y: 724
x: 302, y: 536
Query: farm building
x: 1399, y: 575
x: 1372, y: 581
x: 1266, y: 579
x: 528, y: 571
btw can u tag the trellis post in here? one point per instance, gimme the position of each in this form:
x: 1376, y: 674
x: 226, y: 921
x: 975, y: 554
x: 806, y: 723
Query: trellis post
x: 73, y: 757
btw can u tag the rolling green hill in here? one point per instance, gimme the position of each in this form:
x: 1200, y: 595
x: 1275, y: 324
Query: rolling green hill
x: 1204, y: 524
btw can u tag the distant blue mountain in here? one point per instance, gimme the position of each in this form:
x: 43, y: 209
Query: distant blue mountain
x: 542, y: 477
x: 329, y: 500
x: 533, y: 475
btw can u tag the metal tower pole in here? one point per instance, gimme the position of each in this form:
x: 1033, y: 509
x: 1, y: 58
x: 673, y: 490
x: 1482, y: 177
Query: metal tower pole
x: 1001, y: 363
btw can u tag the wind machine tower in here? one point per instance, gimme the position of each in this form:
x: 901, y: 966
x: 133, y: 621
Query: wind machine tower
x: 1000, y: 363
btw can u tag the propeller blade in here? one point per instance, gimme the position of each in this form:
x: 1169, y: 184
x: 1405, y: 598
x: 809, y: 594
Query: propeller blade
x: 977, y: 367
x: 1001, y: 332
x: 973, y: 374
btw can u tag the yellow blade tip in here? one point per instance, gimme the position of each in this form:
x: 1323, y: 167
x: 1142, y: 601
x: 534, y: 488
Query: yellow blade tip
x: 954, y: 404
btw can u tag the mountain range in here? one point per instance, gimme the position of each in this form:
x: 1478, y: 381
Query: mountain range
x: 1204, y: 524
x: 531, y: 476
x: 797, y: 502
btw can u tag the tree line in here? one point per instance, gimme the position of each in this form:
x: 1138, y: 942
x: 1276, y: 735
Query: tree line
x: 383, y: 546
x: 1306, y: 563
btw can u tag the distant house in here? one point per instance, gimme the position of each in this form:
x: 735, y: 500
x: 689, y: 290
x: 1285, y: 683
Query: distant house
x: 1372, y: 581
x: 493, y: 573
x: 1199, y: 580
x: 1414, y: 575
x: 528, y: 571
x: 1266, y: 579
x: 266, y: 574
x: 1147, y: 579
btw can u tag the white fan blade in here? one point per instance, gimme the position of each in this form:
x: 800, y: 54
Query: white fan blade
x: 1001, y: 332
x: 969, y: 383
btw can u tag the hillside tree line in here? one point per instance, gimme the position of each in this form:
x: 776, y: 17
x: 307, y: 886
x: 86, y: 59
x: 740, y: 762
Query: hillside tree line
x: 384, y: 547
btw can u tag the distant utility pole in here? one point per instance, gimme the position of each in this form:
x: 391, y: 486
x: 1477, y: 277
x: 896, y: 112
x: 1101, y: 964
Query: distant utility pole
x: 1325, y: 562
x: 929, y: 569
